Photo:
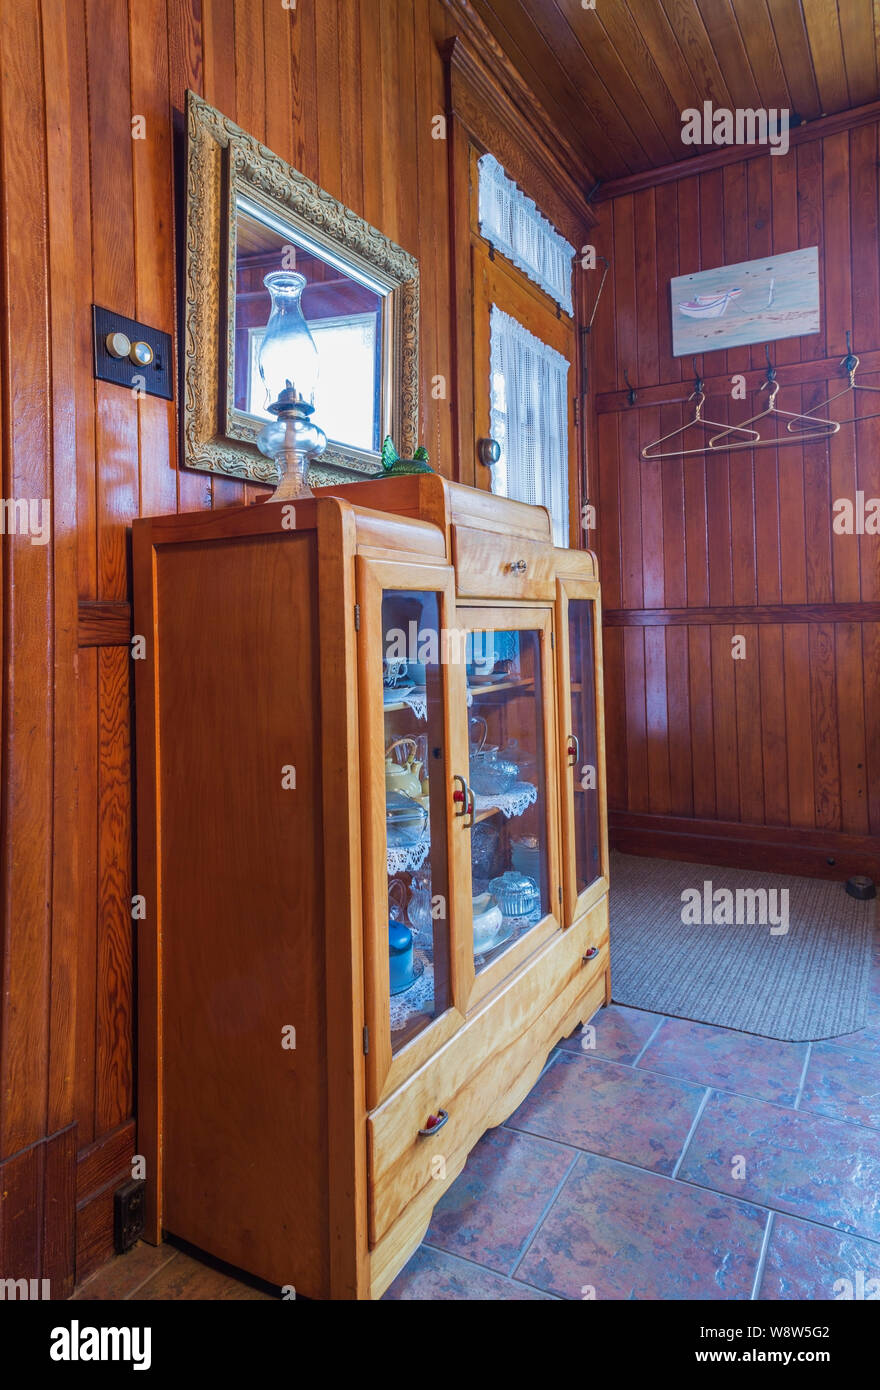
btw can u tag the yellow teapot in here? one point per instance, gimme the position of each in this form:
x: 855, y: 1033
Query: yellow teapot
x: 403, y: 777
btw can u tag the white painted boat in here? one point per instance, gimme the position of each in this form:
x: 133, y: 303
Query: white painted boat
x: 708, y: 306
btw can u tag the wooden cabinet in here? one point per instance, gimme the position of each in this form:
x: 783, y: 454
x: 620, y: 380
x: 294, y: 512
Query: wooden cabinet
x: 373, y: 860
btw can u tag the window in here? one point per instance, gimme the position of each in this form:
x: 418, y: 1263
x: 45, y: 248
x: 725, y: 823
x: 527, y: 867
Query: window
x: 529, y: 419
x: 513, y: 224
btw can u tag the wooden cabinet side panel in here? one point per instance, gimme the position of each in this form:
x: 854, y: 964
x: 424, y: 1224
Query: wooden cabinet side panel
x: 242, y: 904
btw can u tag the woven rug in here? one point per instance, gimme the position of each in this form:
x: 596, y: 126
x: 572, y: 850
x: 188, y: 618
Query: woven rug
x: 801, y: 984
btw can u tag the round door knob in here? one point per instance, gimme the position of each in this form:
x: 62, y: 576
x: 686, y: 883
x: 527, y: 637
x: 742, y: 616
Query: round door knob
x: 488, y: 451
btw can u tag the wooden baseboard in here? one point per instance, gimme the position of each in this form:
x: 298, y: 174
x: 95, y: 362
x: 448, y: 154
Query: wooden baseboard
x: 772, y: 848
x: 101, y: 1168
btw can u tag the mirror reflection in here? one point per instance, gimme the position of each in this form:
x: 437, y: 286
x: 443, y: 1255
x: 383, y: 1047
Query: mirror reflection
x: 345, y: 314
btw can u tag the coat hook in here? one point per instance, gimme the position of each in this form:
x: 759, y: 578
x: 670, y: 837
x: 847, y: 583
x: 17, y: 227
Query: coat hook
x: 632, y: 389
x: 698, y: 380
x: 850, y: 362
x: 771, y: 370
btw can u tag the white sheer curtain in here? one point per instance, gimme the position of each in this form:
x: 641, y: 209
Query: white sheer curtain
x: 512, y: 222
x: 529, y: 419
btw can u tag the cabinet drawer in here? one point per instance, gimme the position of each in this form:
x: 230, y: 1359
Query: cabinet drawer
x: 491, y: 566
x: 482, y: 1074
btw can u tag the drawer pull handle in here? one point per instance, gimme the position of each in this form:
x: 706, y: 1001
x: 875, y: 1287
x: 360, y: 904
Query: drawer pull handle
x: 592, y: 953
x: 435, y: 1122
x: 574, y: 749
x: 518, y: 566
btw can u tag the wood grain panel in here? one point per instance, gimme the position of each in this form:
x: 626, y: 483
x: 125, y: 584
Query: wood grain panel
x: 616, y: 76
x: 114, y: 1025
x: 27, y: 579
x: 742, y: 544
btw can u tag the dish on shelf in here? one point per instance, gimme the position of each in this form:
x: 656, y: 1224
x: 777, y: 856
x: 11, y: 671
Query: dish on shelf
x: 392, y: 693
x: 405, y: 819
x: 516, y: 893
x: 418, y: 970
x: 488, y: 922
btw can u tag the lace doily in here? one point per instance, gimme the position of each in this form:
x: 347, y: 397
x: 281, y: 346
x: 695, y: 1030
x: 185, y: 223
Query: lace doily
x: 419, y: 998
x: 418, y: 703
x: 407, y: 858
x: 510, y: 803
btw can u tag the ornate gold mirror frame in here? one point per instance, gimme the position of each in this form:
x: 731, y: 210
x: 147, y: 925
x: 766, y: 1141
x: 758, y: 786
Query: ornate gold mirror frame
x: 225, y: 171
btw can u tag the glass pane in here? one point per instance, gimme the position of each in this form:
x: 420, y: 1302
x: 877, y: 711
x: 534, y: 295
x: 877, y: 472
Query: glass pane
x: 415, y: 811
x: 344, y: 318
x: 528, y: 400
x: 583, y: 712
x: 511, y: 890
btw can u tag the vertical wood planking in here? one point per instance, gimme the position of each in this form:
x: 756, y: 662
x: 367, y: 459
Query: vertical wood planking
x: 637, y: 781
x: 115, y: 1013
x: 773, y: 729
x: 826, y: 751
x: 67, y: 156
x: 749, y: 721
x: 657, y: 721
x: 87, y: 969
x: 796, y: 653
x: 195, y: 491
x: 155, y: 299
x: 871, y: 667
x: 28, y: 657
x: 615, y: 717
x: 681, y: 791
x: 727, y: 799
x: 850, y: 686
x: 702, y: 725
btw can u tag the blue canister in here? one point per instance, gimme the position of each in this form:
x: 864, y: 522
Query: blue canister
x: 400, y: 953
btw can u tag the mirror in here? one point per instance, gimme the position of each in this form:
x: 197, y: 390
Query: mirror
x: 249, y: 213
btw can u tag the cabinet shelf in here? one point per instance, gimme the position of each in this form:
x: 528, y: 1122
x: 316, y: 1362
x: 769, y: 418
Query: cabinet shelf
x: 502, y: 687
x: 475, y: 691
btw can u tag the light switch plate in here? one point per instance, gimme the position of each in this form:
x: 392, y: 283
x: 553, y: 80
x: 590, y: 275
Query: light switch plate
x: 153, y: 380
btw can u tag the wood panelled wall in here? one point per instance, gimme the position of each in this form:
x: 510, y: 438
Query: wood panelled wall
x: 774, y: 759
x: 346, y: 92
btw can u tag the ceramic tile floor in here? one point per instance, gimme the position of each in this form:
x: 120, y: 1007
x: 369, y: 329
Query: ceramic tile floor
x: 654, y: 1159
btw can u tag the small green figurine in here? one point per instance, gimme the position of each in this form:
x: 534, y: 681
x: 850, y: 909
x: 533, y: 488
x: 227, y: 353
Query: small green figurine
x: 393, y: 465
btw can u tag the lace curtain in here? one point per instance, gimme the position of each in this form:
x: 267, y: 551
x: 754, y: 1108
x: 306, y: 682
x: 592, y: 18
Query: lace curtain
x: 513, y: 224
x: 529, y: 419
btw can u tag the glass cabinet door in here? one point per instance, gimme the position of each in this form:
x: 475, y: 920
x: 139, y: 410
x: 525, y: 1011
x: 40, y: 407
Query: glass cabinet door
x: 511, y: 777
x: 408, y: 743
x: 583, y: 775
x: 416, y: 800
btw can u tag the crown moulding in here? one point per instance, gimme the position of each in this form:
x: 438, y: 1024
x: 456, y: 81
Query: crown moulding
x: 717, y: 158
x: 487, y: 94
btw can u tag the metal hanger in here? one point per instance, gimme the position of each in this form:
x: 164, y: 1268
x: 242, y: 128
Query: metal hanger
x: 772, y: 385
x: 850, y: 364
x: 698, y: 419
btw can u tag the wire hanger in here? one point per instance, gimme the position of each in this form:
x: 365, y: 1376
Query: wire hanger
x: 850, y: 364
x: 770, y: 384
x: 699, y: 419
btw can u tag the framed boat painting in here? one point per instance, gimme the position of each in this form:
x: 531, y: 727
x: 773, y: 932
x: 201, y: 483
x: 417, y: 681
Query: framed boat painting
x: 752, y: 302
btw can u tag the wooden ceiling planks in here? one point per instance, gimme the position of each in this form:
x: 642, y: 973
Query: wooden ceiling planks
x: 618, y: 76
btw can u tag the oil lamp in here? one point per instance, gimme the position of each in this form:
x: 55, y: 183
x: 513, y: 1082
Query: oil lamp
x: 288, y: 362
